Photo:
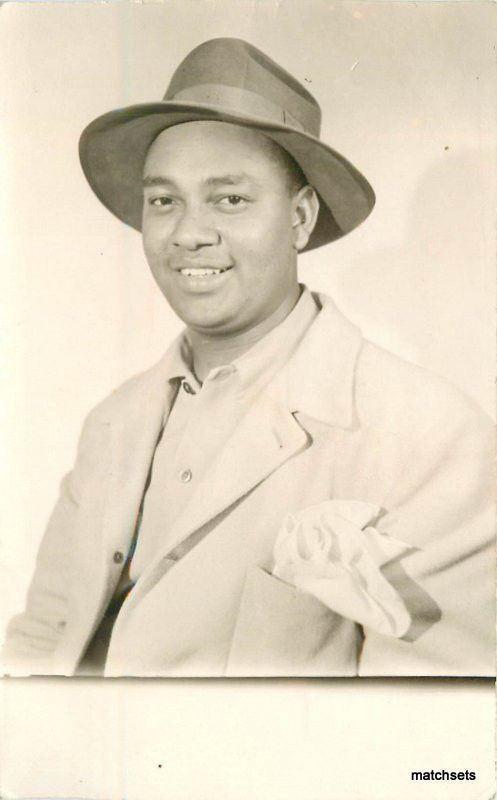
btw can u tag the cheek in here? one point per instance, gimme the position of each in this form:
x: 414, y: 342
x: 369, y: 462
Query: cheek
x: 267, y: 249
x: 153, y: 248
x: 154, y: 242
x: 262, y: 238
x: 149, y: 240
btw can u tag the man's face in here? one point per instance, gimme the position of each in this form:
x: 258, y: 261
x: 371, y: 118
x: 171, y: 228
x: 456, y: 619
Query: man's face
x: 217, y: 225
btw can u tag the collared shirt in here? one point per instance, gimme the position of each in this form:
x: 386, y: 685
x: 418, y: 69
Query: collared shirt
x: 201, y: 421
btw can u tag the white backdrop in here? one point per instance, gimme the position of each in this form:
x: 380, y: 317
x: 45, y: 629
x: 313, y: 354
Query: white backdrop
x: 408, y: 95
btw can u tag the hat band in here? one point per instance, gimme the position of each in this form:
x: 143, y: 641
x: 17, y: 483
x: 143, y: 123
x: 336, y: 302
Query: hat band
x: 238, y: 101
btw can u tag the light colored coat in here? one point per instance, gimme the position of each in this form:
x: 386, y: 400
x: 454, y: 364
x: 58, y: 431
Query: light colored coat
x: 343, y: 419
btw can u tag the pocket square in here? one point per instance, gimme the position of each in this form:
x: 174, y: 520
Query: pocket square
x: 332, y: 551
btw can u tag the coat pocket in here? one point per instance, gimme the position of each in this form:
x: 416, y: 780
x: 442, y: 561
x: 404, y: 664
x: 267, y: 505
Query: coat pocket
x: 281, y: 631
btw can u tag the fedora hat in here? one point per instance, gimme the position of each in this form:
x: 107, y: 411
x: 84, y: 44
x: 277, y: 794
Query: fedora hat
x: 227, y: 80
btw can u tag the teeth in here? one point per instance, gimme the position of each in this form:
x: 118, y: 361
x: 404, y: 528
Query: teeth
x: 201, y: 273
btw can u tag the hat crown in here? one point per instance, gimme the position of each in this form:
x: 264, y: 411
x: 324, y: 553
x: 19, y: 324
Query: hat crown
x: 235, y: 74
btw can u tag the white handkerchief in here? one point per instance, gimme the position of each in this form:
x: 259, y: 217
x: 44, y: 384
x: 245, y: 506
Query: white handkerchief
x: 331, y: 551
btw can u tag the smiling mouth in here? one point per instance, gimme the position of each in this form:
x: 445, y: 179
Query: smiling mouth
x: 203, y: 272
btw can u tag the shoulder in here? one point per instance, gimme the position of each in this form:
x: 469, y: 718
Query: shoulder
x: 394, y: 393
x: 135, y: 392
x: 381, y: 390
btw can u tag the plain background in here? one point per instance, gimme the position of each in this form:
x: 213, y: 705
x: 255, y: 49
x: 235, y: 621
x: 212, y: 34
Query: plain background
x: 408, y: 95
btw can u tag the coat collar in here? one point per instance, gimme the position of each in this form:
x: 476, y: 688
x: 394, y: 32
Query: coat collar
x: 320, y: 377
x: 318, y: 380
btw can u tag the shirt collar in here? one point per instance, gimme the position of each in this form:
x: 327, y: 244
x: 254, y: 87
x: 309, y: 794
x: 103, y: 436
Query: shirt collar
x: 259, y: 364
x: 180, y: 362
x: 319, y: 376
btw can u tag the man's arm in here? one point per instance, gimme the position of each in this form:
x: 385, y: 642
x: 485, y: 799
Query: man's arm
x: 33, y: 635
x: 444, y: 504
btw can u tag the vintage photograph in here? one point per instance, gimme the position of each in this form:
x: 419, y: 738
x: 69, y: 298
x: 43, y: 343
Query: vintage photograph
x: 258, y: 343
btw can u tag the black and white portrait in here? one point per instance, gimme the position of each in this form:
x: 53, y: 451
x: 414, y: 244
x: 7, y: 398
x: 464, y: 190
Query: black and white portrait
x: 252, y: 313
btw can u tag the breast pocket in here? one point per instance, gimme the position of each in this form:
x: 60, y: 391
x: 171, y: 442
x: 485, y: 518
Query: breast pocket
x: 281, y: 631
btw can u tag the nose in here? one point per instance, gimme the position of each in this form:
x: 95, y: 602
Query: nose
x: 194, y: 230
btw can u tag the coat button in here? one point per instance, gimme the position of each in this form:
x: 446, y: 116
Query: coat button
x: 185, y: 476
x: 118, y: 557
x: 188, y: 389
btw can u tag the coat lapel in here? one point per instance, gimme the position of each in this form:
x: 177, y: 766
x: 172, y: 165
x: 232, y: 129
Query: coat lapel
x: 266, y: 437
x: 135, y: 432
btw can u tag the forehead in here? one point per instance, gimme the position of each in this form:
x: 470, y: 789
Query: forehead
x: 208, y: 144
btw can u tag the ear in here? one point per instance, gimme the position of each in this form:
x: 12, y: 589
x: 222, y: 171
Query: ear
x: 304, y: 215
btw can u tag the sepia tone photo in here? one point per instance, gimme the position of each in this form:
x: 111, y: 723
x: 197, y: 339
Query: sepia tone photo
x: 279, y: 491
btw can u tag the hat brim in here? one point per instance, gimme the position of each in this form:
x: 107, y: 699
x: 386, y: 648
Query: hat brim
x: 113, y: 147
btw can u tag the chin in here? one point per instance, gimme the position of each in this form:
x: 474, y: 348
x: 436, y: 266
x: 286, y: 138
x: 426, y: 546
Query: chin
x: 207, y: 319
x: 217, y: 327
x: 208, y: 322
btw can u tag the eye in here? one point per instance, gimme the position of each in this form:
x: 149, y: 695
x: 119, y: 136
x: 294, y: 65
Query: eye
x: 232, y: 202
x: 161, y: 202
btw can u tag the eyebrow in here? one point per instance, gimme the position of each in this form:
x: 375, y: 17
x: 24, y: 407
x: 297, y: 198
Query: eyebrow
x: 229, y: 180
x: 218, y: 180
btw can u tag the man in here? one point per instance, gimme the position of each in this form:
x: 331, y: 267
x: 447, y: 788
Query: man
x: 277, y: 496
